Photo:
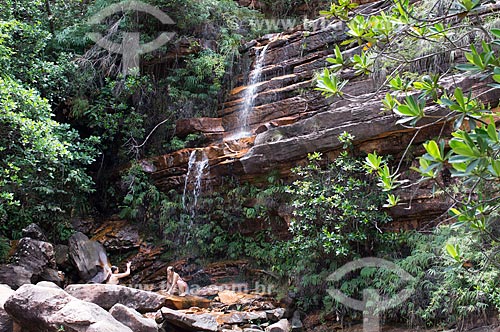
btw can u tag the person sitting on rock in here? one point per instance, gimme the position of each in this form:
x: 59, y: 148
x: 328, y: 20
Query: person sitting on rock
x: 113, y: 278
x: 175, y: 282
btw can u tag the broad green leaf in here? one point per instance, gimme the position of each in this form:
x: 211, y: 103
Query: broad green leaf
x: 453, y: 251
x: 461, y: 148
x: 432, y: 148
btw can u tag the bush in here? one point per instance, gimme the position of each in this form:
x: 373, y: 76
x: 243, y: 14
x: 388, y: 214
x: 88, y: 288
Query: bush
x: 42, y: 162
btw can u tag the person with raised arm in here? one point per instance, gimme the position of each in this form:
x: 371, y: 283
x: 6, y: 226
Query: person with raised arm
x: 115, y: 276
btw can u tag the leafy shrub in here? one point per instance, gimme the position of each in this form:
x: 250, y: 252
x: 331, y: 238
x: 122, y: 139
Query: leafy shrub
x: 445, y: 292
x: 4, y: 249
x: 42, y: 162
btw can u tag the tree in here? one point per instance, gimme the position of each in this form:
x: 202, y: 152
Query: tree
x: 397, y: 40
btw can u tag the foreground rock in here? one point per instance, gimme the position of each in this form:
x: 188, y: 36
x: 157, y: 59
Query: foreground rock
x: 89, y: 257
x: 5, y: 319
x: 37, y: 308
x: 189, y: 322
x: 133, y: 319
x: 106, y: 296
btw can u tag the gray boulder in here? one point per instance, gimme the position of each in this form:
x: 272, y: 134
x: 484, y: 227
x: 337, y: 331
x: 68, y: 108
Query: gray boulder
x: 282, y: 326
x: 189, y: 322
x: 89, y: 258
x: 106, y: 296
x: 133, y: 319
x: 5, y: 319
x: 33, y: 261
x: 47, y: 284
x: 37, y: 308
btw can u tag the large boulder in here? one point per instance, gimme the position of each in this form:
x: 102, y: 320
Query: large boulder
x: 106, y: 296
x: 5, y: 319
x: 32, y: 261
x: 89, y: 258
x: 133, y: 319
x: 38, y: 308
x: 189, y: 322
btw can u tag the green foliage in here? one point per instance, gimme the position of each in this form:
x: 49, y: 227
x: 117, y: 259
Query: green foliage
x: 42, y: 162
x: 198, y: 83
x: 4, y: 249
x: 363, y: 64
x: 338, y: 62
x: 334, y: 208
x: 339, y: 10
x: 454, y: 281
x: 337, y: 214
x: 329, y: 84
x: 451, y: 287
x: 24, y: 56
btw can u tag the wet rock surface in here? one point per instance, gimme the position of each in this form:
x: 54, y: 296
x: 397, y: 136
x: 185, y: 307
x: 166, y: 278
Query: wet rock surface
x: 117, y: 235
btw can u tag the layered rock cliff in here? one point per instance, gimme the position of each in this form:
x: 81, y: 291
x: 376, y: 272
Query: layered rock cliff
x: 289, y: 119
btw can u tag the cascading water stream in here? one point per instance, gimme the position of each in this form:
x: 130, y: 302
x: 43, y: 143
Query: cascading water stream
x: 194, y: 177
x: 192, y: 160
x: 251, y: 92
x: 201, y: 166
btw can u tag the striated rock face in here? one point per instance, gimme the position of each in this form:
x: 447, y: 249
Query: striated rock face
x: 289, y: 119
x: 118, y: 235
x: 37, y: 308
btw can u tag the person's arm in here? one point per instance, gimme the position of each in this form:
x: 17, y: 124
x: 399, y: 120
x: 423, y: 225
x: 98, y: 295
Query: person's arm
x: 174, y: 282
x: 124, y: 274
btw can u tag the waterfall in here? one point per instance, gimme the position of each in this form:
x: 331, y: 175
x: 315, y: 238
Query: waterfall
x: 251, y: 92
x: 192, y: 160
x: 194, y: 178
